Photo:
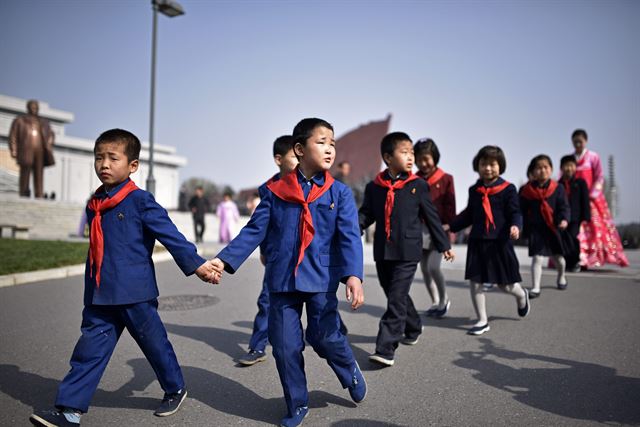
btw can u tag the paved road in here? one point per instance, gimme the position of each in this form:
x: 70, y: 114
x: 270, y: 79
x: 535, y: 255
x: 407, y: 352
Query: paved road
x: 574, y: 361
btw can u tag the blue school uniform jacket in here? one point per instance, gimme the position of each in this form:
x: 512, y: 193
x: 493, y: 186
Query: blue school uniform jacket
x: 504, y: 206
x: 334, y: 253
x: 130, y: 230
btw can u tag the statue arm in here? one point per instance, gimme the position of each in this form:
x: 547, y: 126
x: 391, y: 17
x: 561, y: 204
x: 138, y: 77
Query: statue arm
x: 13, y: 139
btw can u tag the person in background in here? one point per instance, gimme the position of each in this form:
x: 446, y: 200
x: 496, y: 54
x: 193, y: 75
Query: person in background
x: 199, y: 206
x: 228, y: 214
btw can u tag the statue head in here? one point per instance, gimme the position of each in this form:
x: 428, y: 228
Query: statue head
x: 32, y: 107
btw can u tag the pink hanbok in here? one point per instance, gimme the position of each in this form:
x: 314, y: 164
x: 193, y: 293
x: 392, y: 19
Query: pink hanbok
x: 599, y: 240
x: 227, y: 211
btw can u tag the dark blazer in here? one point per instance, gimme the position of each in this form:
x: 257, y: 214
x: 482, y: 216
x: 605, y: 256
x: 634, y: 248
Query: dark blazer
x: 130, y: 231
x: 505, y: 209
x: 334, y: 253
x: 532, y: 217
x: 412, y: 206
x: 578, y: 199
x: 443, y: 196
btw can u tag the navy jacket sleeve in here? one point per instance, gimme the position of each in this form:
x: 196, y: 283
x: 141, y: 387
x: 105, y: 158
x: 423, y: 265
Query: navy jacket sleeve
x: 250, y: 237
x: 365, y: 214
x: 525, y: 209
x: 512, y: 207
x: 584, y: 201
x: 464, y: 219
x: 562, y: 211
x: 157, y: 222
x: 348, y: 235
x: 429, y: 215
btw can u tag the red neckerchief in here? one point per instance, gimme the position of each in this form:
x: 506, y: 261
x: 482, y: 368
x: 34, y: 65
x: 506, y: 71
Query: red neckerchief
x: 435, y: 177
x: 96, y: 239
x: 542, y: 194
x: 486, y: 204
x: 288, y: 189
x: 391, y: 195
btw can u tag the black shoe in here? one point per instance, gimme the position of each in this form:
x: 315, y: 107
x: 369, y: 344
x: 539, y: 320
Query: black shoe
x: 253, y: 357
x: 51, y: 419
x: 479, y: 330
x: 534, y: 294
x: 382, y: 360
x: 441, y: 313
x: 171, y: 403
x: 431, y: 311
x: 523, y: 312
x: 562, y: 286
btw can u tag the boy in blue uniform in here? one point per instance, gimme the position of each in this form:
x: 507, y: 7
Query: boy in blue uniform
x: 120, y: 286
x: 399, y: 202
x: 308, y: 225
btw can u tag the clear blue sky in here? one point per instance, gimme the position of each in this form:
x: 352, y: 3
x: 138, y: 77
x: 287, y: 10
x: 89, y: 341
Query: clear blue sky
x: 233, y: 75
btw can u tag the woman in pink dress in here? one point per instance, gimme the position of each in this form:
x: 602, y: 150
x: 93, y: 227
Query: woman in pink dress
x: 599, y: 240
x: 227, y: 212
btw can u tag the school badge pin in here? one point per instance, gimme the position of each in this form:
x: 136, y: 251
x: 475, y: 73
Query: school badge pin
x: 120, y: 216
x: 332, y: 205
x: 413, y: 191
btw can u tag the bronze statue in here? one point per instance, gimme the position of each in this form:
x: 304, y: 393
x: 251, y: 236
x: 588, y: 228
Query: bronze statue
x: 31, y: 144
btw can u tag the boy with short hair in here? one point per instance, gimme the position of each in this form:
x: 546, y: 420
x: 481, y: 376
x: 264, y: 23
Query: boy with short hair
x: 120, y: 284
x: 577, y: 195
x: 399, y: 202
x: 308, y: 225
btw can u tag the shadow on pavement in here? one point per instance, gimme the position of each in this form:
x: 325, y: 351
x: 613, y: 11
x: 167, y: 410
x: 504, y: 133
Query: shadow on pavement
x: 363, y: 423
x: 227, y: 341
x: 578, y: 390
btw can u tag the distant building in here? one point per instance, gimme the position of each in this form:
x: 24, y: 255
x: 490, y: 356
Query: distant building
x: 72, y: 178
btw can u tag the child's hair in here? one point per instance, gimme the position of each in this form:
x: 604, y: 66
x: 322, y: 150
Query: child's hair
x: 538, y: 158
x: 282, y: 145
x: 228, y: 194
x: 120, y: 136
x: 569, y: 158
x: 579, y: 132
x: 427, y: 146
x: 390, y: 141
x: 305, y: 127
x: 490, y: 152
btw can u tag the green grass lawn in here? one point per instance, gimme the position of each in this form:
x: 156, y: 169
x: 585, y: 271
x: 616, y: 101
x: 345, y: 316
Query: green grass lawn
x: 17, y: 256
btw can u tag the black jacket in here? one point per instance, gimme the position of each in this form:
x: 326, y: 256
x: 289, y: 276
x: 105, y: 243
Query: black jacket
x: 578, y: 198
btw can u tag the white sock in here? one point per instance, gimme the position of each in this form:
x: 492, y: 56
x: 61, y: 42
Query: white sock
x: 72, y: 415
x: 536, y: 271
x: 561, y: 265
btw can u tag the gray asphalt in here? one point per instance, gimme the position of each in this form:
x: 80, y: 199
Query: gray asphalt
x: 574, y: 361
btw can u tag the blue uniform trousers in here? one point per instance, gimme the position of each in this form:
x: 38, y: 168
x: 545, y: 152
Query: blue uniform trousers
x: 259, y: 337
x: 101, y: 328
x: 323, y: 333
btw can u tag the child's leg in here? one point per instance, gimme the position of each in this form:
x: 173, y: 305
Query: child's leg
x: 395, y: 278
x: 101, y: 329
x: 259, y: 337
x: 517, y: 291
x: 146, y: 328
x: 479, y: 303
x: 561, y: 266
x: 536, y: 272
x: 285, y: 335
x: 432, y: 289
x: 323, y: 333
x: 434, y: 262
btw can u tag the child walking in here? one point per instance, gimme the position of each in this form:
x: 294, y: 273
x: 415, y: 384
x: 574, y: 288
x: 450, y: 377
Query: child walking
x: 577, y: 194
x: 443, y: 196
x: 120, y: 289
x: 494, y: 215
x: 308, y: 225
x: 227, y: 212
x: 545, y: 211
x: 398, y: 201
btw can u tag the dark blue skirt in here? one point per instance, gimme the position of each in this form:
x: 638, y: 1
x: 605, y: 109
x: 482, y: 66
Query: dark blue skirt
x: 492, y: 261
x: 545, y: 242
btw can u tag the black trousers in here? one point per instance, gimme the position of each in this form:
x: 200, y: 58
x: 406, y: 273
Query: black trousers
x: 198, y: 228
x: 401, y: 318
x: 572, y: 245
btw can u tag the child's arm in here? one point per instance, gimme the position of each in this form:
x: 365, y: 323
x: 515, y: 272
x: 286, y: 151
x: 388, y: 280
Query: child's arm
x: 562, y: 212
x: 355, y: 292
x: 449, y: 202
x: 348, y: 233
x: 464, y: 219
x: 249, y: 238
x: 513, y: 215
x: 365, y: 214
x: 524, y: 209
x: 585, y: 204
x: 429, y: 215
x: 157, y: 222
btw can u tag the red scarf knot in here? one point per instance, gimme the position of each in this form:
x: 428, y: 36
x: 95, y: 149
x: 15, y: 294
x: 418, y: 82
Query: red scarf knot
x: 542, y: 194
x: 96, y: 239
x: 391, y: 196
x: 288, y: 189
x: 486, y: 203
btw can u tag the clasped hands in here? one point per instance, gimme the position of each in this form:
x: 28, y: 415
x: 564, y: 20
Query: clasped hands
x: 211, y: 271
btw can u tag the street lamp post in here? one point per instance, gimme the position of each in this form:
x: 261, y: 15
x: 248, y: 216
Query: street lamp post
x: 171, y: 9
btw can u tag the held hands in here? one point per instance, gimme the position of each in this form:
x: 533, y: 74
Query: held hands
x: 449, y: 255
x: 355, y: 292
x: 514, y: 232
x: 208, y: 272
x: 563, y: 224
